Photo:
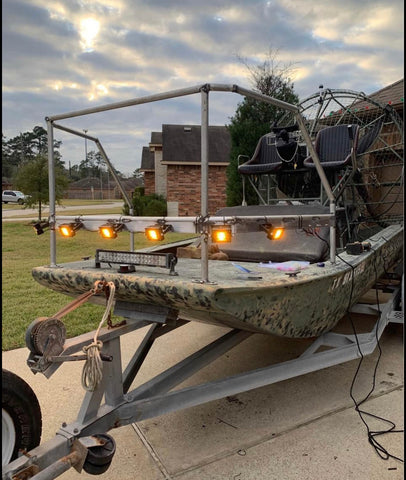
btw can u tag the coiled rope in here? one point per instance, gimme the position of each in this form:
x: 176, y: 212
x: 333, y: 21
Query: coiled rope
x: 92, y: 372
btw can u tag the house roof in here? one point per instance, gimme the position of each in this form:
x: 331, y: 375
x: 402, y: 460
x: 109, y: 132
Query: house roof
x: 156, y: 138
x: 131, y: 183
x: 181, y: 144
x: 391, y: 95
x: 147, y: 159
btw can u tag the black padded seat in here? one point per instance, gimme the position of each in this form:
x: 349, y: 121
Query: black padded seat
x: 265, y: 158
x: 333, y: 146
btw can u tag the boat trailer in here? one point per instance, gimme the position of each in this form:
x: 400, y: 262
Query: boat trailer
x: 85, y: 444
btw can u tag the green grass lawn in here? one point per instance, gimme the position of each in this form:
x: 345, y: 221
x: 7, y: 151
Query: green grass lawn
x: 24, y: 300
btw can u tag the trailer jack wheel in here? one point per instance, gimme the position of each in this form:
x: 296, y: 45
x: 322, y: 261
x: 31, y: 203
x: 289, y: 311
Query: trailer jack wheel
x: 21, y: 417
x: 99, y: 457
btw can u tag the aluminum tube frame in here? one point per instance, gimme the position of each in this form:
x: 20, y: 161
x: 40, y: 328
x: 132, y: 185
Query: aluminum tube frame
x: 74, y: 132
x: 324, y: 183
x: 103, y: 154
x: 265, y: 98
x: 109, y: 166
x: 52, y: 193
x: 192, y: 224
x: 203, y: 89
x: 315, y: 157
x: 128, y: 103
x: 177, y: 93
x: 204, y: 169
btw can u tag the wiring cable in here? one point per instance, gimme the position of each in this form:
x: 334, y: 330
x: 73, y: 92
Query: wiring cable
x: 372, y: 434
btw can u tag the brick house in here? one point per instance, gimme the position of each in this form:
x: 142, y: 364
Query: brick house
x: 172, y: 163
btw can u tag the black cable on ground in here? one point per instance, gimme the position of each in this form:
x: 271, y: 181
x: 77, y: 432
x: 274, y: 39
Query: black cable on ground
x: 372, y: 434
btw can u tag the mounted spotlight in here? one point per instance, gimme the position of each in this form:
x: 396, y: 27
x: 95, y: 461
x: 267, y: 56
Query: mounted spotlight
x: 110, y: 230
x: 274, y: 233
x: 69, y: 229
x: 40, y: 227
x: 156, y: 233
x: 221, y: 234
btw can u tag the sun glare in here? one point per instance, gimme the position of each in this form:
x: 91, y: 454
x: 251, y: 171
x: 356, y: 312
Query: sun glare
x: 89, y: 29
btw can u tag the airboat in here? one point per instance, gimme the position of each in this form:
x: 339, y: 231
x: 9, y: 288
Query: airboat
x: 328, y: 224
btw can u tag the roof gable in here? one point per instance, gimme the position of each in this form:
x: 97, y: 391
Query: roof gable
x: 147, y: 159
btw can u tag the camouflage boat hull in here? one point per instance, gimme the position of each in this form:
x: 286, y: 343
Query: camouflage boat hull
x: 305, y: 305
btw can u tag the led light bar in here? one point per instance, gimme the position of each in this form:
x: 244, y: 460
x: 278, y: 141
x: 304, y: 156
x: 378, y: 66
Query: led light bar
x: 163, y: 260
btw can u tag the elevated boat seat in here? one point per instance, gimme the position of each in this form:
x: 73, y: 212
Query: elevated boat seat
x: 265, y: 159
x: 334, y: 146
x: 274, y: 151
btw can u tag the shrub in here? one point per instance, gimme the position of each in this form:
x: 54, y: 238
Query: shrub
x: 153, y: 205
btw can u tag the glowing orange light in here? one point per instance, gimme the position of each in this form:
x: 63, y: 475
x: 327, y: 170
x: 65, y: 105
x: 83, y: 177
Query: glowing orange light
x: 107, y: 232
x: 274, y: 233
x: 69, y: 229
x: 221, y: 234
x: 66, y: 231
x: 278, y: 233
x: 154, y: 233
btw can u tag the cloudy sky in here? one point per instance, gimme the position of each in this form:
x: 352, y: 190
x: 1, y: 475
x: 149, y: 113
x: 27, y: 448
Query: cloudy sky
x: 67, y: 55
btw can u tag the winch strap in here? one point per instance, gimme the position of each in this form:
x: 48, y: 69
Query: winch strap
x: 74, y: 304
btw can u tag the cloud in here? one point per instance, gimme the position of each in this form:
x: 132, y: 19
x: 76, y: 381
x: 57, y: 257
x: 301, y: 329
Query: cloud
x: 138, y: 47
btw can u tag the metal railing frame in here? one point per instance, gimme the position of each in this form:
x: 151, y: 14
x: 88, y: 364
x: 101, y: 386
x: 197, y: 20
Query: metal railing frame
x: 204, y: 92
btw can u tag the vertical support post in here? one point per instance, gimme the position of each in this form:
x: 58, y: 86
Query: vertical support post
x: 333, y: 232
x: 315, y: 157
x: 244, y: 201
x: 204, y: 182
x: 268, y: 193
x: 112, y: 372
x: 52, y: 198
x: 132, y: 243
x: 324, y: 184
